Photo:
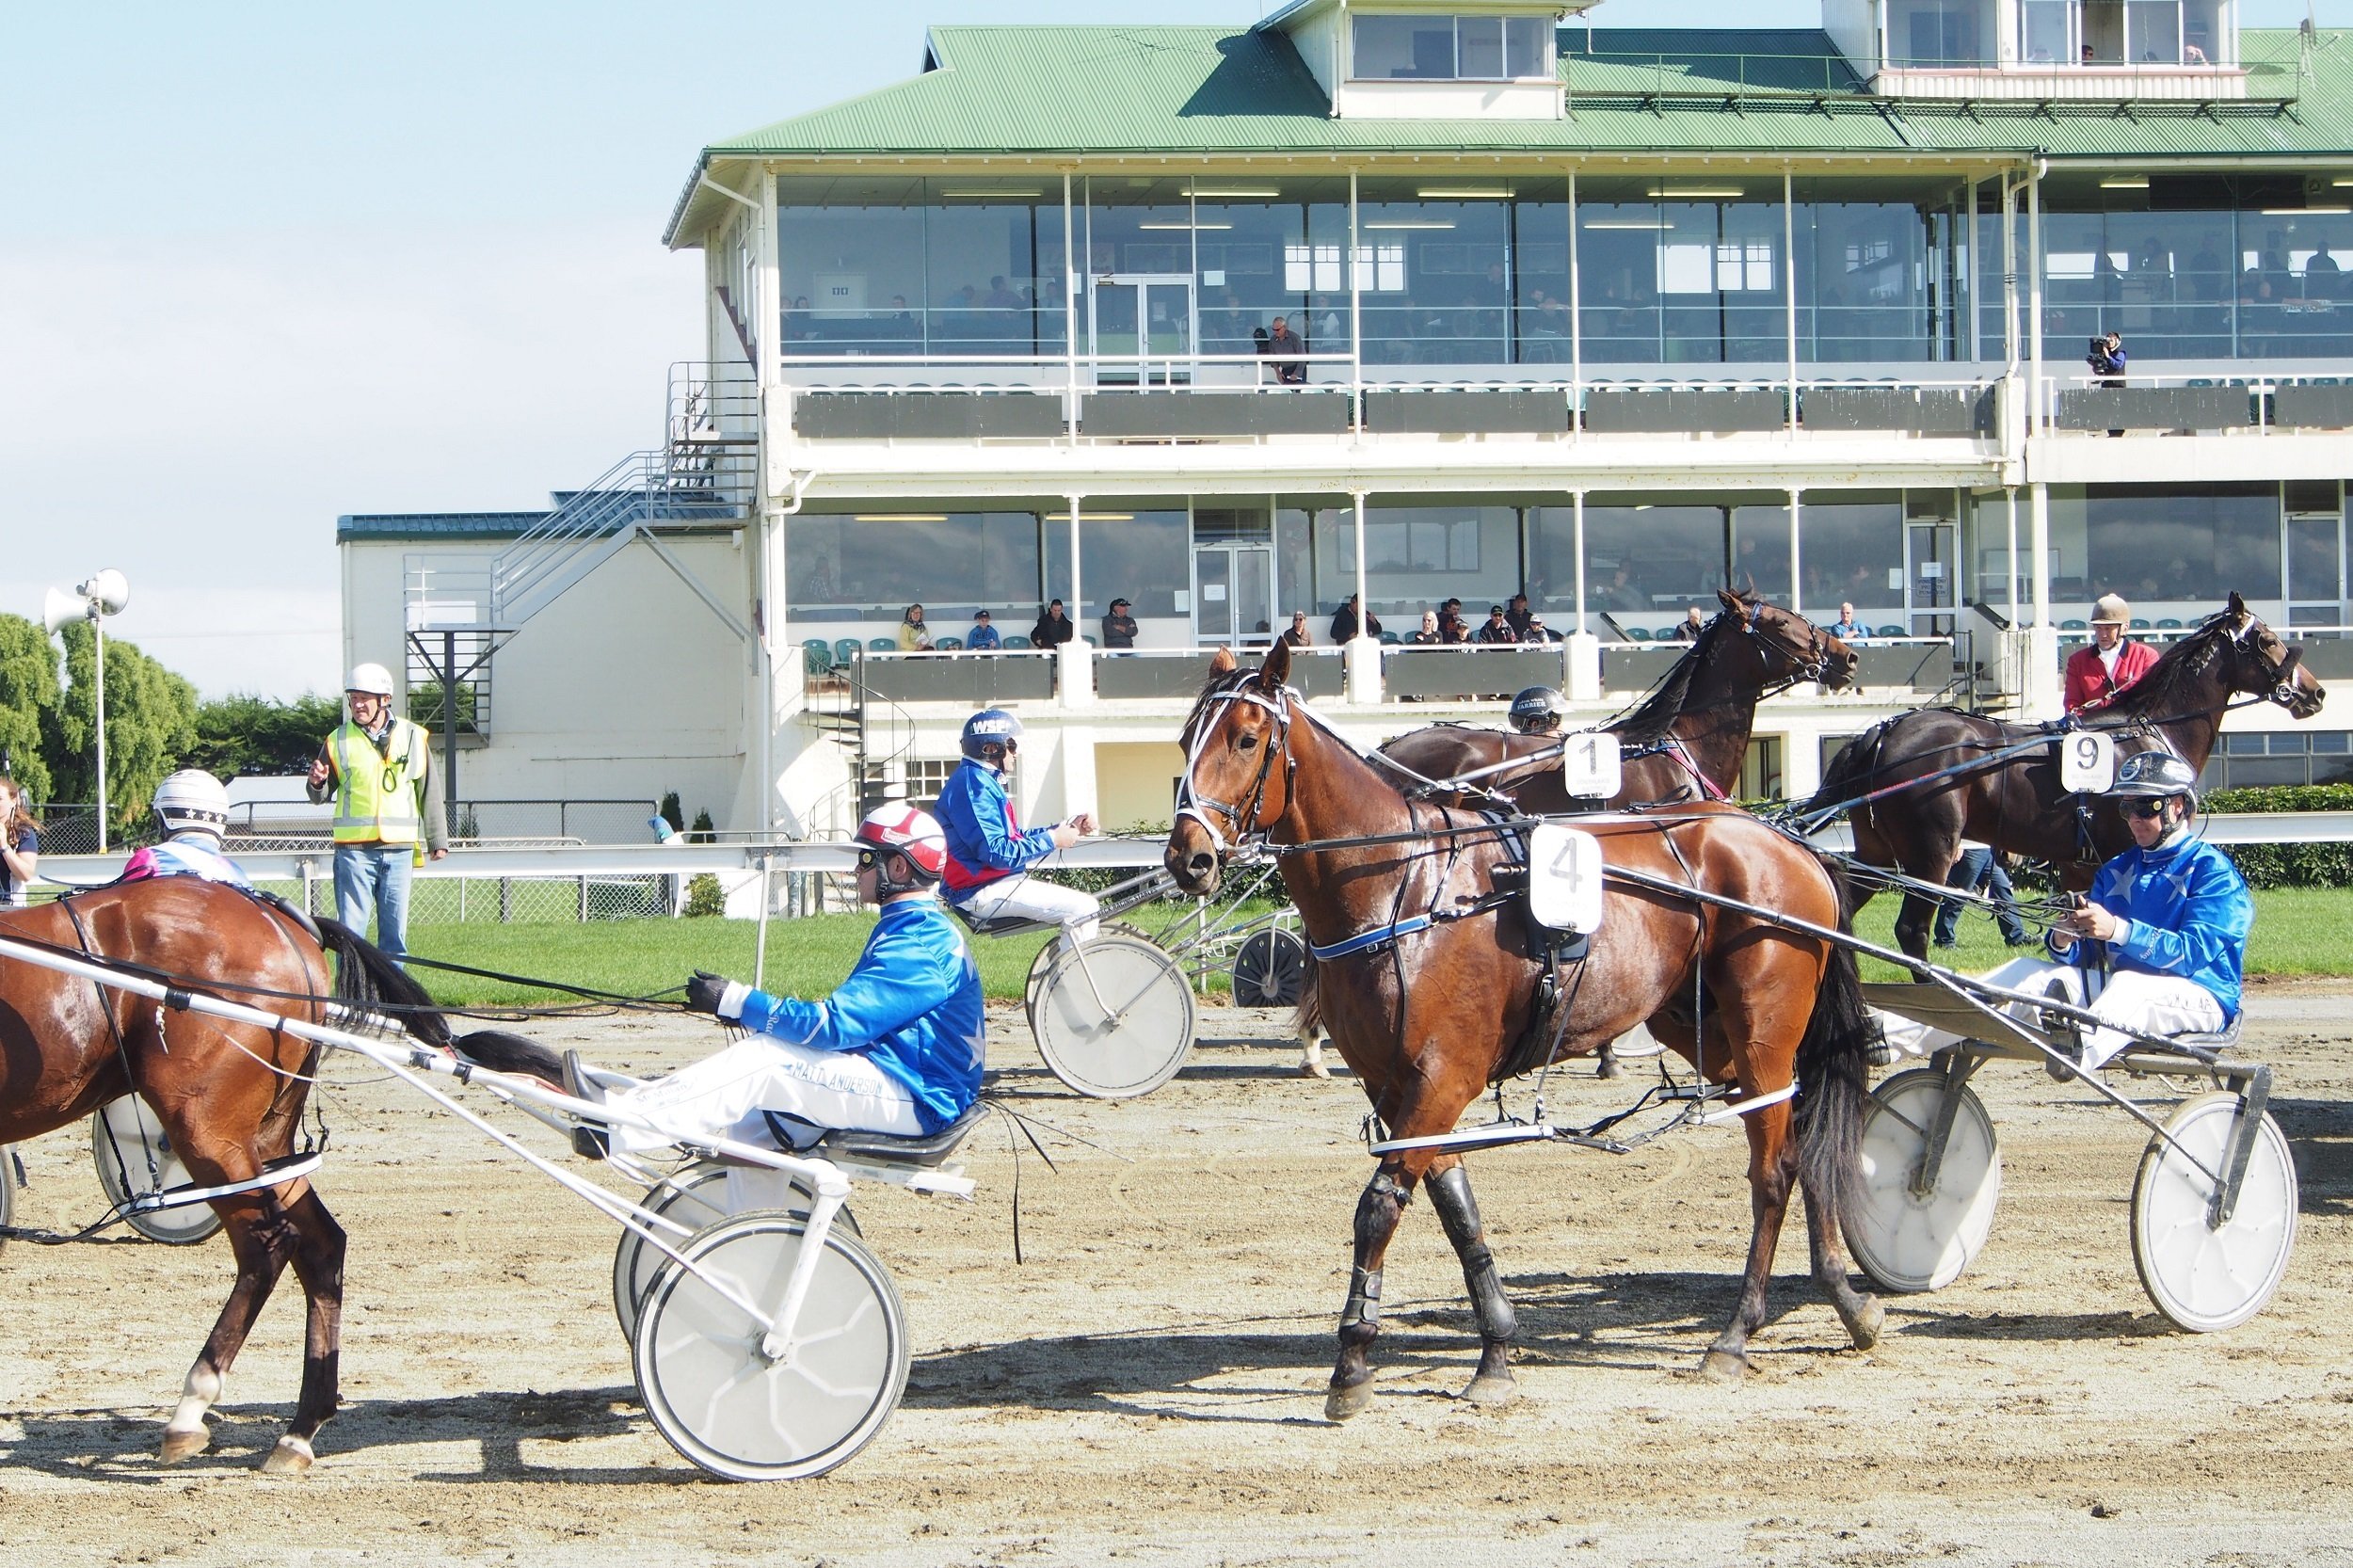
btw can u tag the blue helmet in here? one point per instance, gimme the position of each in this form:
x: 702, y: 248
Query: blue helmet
x: 990, y: 727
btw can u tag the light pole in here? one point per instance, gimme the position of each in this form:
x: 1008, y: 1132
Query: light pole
x: 102, y: 595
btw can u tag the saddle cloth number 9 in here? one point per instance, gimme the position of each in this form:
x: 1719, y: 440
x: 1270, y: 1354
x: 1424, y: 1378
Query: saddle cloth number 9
x: 1564, y: 878
x: 2086, y: 762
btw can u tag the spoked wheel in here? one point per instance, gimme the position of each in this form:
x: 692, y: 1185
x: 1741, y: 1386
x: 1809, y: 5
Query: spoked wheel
x: 722, y: 1399
x: 124, y: 1135
x: 2204, y: 1277
x: 1270, y: 970
x: 1115, y: 1019
x: 1044, y: 963
x: 696, y: 1198
x: 1908, y: 1242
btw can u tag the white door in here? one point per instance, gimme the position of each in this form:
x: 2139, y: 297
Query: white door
x: 1144, y: 328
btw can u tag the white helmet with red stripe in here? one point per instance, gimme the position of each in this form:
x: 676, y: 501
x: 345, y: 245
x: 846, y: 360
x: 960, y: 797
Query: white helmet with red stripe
x: 914, y: 835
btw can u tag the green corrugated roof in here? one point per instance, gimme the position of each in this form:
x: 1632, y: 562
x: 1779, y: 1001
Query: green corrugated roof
x: 1066, y: 91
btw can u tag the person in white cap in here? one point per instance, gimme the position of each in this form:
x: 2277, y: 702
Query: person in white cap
x: 192, y: 813
x: 379, y: 769
x: 2096, y: 674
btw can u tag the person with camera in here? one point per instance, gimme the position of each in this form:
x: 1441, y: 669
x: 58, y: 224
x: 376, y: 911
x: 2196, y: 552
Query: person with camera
x: 2107, y: 360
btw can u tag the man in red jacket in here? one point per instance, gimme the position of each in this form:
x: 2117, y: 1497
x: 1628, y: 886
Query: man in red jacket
x: 2096, y: 674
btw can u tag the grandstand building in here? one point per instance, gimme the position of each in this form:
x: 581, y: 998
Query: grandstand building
x: 1610, y: 314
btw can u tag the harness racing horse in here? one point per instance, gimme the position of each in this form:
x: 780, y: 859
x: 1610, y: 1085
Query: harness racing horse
x: 1433, y: 989
x: 2017, y: 804
x: 229, y: 1095
x: 1685, y: 741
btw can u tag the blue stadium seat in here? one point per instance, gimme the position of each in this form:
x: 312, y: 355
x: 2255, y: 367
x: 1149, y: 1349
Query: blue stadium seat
x: 846, y: 649
x: 882, y: 645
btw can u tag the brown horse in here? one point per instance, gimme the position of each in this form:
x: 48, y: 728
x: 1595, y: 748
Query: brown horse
x: 2018, y: 805
x: 1685, y: 741
x: 1688, y: 739
x: 230, y: 1096
x: 1428, y: 1017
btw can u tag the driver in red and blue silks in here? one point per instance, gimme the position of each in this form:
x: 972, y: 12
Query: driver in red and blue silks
x: 896, y: 1048
x: 192, y: 811
x: 2166, y: 920
x: 989, y: 855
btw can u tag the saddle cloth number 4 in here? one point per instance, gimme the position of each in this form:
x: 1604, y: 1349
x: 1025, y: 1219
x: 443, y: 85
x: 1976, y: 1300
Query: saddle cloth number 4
x: 1564, y: 878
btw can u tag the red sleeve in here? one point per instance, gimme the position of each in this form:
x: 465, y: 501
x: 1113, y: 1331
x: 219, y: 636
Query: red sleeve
x: 2082, y: 679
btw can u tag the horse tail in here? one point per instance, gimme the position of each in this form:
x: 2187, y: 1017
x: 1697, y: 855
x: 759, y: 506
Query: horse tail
x: 369, y: 974
x: 1849, y: 771
x: 1832, y: 1067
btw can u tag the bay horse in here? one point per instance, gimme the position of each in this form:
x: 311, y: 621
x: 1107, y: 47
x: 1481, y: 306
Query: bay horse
x: 229, y: 1095
x: 1686, y: 741
x: 1430, y: 1015
x: 2018, y: 805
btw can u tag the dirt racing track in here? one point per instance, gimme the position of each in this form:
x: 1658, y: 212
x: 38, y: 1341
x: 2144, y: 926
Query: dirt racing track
x: 1148, y: 1388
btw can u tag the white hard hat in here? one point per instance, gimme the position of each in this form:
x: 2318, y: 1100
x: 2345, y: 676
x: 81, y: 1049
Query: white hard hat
x: 191, y: 800
x: 369, y: 677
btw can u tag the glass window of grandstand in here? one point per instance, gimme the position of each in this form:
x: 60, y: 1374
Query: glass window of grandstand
x: 869, y: 565
x: 1869, y: 287
x: 1134, y: 550
x: 1450, y: 48
x: 2174, y: 552
x: 1462, y: 271
x: 2129, y: 32
x: 1681, y: 272
x: 933, y: 269
x: 1852, y: 552
x: 1930, y: 33
x: 1416, y: 558
x: 2286, y: 757
x: 1187, y: 277
x: 1649, y: 558
x: 2198, y: 268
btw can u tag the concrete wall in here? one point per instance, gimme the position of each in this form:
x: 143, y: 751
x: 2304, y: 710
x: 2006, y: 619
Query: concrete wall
x: 1135, y: 781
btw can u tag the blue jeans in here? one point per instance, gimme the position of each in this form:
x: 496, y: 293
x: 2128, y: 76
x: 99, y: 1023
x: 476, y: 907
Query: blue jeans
x: 1980, y: 868
x: 373, y: 879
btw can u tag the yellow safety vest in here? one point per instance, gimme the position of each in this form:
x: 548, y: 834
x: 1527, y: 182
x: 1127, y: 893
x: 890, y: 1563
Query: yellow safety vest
x: 379, y: 795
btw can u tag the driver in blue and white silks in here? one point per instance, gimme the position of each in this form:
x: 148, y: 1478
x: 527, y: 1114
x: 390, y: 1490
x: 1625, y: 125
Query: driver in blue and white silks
x: 988, y: 852
x: 2171, y: 917
x: 896, y: 1048
x: 192, y: 811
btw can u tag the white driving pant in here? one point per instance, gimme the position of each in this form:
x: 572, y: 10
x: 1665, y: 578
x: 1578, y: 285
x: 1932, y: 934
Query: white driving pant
x: 1032, y: 898
x: 2148, y: 1003
x: 723, y: 1096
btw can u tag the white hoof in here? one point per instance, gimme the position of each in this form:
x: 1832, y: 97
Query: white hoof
x: 289, y: 1457
x: 186, y: 1443
x: 1312, y: 1067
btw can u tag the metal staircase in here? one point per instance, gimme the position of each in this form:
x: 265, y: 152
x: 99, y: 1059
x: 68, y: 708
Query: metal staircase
x: 873, y: 730
x: 706, y: 470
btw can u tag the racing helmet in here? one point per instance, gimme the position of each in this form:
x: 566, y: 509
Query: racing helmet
x: 906, y: 832
x: 990, y: 727
x: 191, y: 801
x: 1538, y: 710
x: 375, y: 679
x: 2154, y: 774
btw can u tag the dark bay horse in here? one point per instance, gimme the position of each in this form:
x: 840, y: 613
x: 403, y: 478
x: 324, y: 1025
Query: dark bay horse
x: 1688, y: 739
x: 1429, y: 1018
x: 1685, y: 741
x: 230, y: 1096
x: 2018, y: 805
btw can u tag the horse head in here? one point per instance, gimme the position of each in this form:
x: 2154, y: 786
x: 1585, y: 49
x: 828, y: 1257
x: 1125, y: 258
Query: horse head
x: 2268, y: 667
x: 1231, y: 794
x: 1789, y: 646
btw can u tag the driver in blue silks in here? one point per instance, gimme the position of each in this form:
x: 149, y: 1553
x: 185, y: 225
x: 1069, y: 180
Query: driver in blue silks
x: 2168, y: 919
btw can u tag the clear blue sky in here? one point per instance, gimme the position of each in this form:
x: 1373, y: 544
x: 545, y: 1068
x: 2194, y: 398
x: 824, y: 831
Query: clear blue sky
x: 265, y: 264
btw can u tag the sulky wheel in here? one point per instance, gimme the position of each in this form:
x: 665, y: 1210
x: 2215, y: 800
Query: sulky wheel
x: 1270, y: 970
x: 2202, y: 1277
x: 1907, y: 1242
x: 124, y: 1134
x: 705, y: 1367
x: 696, y: 1198
x: 1044, y: 963
x: 1115, y: 1019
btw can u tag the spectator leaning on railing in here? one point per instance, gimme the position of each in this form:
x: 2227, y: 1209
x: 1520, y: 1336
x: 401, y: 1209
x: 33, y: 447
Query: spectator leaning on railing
x: 914, y: 636
x: 1297, y: 634
x: 1430, y: 636
x: 1846, y: 628
x: 1053, y: 627
x: 1119, y: 627
x: 1498, y: 629
x: 983, y: 637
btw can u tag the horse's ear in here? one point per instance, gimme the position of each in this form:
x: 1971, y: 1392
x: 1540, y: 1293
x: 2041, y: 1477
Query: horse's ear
x: 1222, y: 662
x: 2238, y: 605
x: 1276, y: 672
x: 1732, y: 600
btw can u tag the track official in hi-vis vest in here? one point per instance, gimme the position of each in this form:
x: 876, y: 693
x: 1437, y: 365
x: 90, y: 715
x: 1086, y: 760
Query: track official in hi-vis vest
x: 379, y: 770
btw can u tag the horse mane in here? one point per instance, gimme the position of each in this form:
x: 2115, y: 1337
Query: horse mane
x: 1668, y: 701
x: 2166, y: 688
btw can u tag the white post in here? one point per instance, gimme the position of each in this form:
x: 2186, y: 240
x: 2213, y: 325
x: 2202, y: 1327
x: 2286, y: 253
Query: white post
x: 2036, y: 414
x: 759, y: 956
x: 1576, y: 374
x: 1075, y: 662
x: 1070, y: 313
x: 2041, y: 678
x: 1789, y: 294
x: 98, y: 625
x: 1361, y: 658
x: 1355, y: 305
x: 1584, y: 672
x: 1797, y: 556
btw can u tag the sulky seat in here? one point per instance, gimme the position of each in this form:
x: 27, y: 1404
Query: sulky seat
x: 884, y: 1148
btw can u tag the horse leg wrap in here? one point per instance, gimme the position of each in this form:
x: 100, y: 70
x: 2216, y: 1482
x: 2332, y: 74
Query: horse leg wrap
x: 1377, y: 1213
x: 1457, y: 1211
x: 1363, y: 1311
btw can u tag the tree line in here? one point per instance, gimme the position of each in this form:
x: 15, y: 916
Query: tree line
x: 154, y: 722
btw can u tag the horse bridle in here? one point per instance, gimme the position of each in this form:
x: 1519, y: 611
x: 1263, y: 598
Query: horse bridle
x: 1192, y: 803
x: 2280, y: 677
x: 1810, y: 665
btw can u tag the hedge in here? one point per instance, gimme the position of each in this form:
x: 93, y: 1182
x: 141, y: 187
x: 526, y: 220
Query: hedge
x: 2289, y: 865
